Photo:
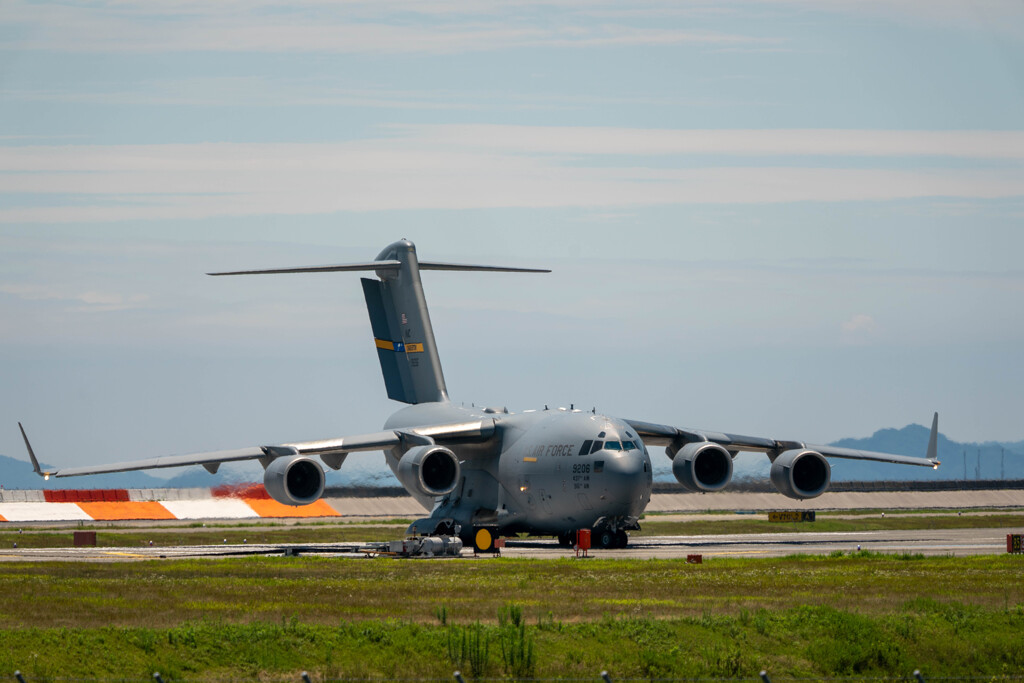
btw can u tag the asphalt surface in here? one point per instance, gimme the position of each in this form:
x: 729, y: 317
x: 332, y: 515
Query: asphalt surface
x: 957, y: 542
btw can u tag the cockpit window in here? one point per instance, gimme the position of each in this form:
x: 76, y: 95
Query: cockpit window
x: 628, y: 446
x: 585, y: 449
x: 612, y: 446
x: 596, y: 447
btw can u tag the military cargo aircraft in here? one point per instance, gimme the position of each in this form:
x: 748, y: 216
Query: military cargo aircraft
x: 539, y: 472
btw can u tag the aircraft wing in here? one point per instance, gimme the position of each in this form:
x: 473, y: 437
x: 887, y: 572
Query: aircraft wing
x: 331, y: 451
x: 664, y: 435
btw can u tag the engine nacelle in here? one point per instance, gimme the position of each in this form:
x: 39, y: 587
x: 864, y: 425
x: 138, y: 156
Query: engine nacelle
x: 801, y: 473
x: 702, y: 466
x: 430, y: 470
x: 294, y: 481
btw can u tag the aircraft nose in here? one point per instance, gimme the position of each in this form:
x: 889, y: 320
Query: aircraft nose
x: 628, y: 480
x: 626, y: 464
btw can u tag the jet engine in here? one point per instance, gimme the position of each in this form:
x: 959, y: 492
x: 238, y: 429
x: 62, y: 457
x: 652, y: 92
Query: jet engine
x: 429, y: 470
x: 801, y: 474
x: 702, y: 466
x: 294, y: 481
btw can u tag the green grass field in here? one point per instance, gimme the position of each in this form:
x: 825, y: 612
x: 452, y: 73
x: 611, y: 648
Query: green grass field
x: 269, y: 618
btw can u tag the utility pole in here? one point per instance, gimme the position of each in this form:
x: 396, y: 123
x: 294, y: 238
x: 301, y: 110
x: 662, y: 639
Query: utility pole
x: 965, y: 465
x: 1002, y: 463
x: 977, y: 467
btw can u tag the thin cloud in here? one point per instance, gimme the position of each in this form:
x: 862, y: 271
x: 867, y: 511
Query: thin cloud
x: 468, y: 167
x: 981, y: 144
x: 859, y: 330
x: 1001, y: 16
x: 860, y: 323
x: 298, y: 92
x: 87, y: 302
x: 348, y: 28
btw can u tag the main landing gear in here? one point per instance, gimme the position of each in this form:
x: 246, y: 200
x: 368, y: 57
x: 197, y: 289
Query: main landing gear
x: 610, y: 538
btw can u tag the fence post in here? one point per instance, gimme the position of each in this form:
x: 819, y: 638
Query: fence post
x: 157, y: 677
x: 764, y: 677
x: 458, y: 677
x: 918, y: 676
x: 305, y: 677
x: 605, y: 677
x: 21, y: 679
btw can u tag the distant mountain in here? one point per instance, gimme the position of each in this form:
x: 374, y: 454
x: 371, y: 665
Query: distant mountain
x: 989, y: 460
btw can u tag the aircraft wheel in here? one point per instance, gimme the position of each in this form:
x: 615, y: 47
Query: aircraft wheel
x: 621, y: 539
x: 606, y: 538
x: 566, y: 540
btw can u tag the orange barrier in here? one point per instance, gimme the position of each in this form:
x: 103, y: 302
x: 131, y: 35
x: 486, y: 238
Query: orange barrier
x: 255, y: 496
x: 267, y: 507
x: 246, y: 491
x: 85, y: 495
x: 119, y: 510
x: 115, y: 504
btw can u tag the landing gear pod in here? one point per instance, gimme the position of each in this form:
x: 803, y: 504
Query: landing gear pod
x: 702, y: 466
x: 801, y: 474
x: 294, y: 481
x: 430, y: 470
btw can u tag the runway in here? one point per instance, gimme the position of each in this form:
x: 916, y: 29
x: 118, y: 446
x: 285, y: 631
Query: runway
x: 953, y: 542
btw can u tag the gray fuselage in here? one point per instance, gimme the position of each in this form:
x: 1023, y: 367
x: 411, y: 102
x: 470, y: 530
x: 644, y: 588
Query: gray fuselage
x: 546, y: 472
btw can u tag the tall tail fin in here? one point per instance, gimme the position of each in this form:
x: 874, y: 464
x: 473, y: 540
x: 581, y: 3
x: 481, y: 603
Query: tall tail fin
x: 398, y: 316
x: 401, y: 329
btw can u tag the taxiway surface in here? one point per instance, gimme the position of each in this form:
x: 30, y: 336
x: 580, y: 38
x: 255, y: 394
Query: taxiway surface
x: 957, y: 542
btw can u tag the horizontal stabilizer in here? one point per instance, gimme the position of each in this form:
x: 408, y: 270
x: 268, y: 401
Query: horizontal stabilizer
x: 388, y: 265
x: 437, y: 265
x: 372, y: 265
x: 402, y: 333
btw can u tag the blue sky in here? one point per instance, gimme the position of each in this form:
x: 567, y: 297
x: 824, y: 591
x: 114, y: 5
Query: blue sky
x: 780, y: 217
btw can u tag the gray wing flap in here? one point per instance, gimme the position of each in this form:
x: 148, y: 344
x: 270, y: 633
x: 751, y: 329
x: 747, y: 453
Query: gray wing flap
x: 348, y: 444
x: 475, y: 430
x: 462, y: 431
x: 655, y: 434
x: 665, y: 435
x: 854, y: 454
x: 165, y: 461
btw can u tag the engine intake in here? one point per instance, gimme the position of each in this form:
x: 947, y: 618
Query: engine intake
x: 429, y: 470
x: 702, y: 466
x: 801, y: 474
x: 294, y: 481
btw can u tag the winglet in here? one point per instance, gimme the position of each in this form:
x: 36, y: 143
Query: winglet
x: 933, y: 442
x: 32, y: 455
